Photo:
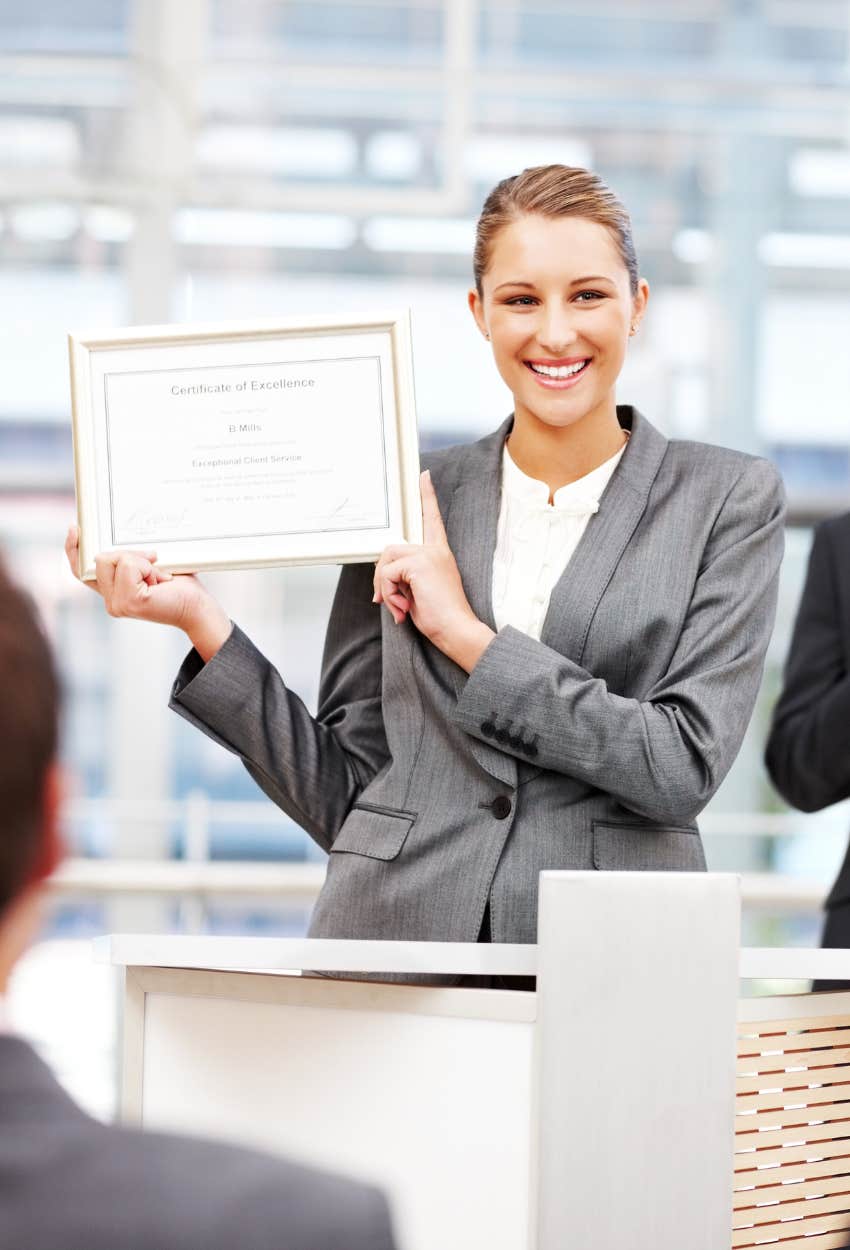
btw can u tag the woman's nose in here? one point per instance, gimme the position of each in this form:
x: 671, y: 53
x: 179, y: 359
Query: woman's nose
x: 557, y: 332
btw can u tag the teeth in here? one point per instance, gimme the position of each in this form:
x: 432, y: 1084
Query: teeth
x: 559, y: 371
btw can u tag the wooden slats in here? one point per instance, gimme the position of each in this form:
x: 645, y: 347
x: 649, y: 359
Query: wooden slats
x: 789, y: 1119
x: 791, y: 1156
x: 822, y: 1241
x: 792, y: 1134
x: 803, y: 1210
x: 747, y: 1136
x: 781, y: 1061
x: 797, y: 1097
x: 799, y: 1230
x: 801, y: 1078
x: 791, y: 1191
x: 836, y: 1164
x: 809, y: 1025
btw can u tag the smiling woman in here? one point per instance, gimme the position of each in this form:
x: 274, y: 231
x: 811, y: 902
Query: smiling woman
x: 561, y: 674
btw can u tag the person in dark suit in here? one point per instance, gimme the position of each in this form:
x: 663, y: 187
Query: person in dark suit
x: 68, y: 1182
x: 808, y: 750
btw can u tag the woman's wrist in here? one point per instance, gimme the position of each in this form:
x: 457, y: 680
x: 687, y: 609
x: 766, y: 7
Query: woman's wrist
x: 208, y: 629
x: 467, y: 643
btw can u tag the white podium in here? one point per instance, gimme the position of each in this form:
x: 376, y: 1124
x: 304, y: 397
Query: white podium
x: 494, y: 1120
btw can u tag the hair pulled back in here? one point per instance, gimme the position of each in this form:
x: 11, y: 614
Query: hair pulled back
x: 553, y: 191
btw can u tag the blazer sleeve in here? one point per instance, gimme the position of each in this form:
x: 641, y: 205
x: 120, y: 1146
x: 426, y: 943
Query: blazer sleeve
x: 664, y: 755
x: 808, y: 750
x: 312, y: 767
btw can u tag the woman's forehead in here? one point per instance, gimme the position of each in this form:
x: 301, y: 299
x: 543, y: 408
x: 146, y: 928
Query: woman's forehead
x: 571, y: 247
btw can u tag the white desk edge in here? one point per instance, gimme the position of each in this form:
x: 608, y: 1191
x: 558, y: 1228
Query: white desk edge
x: 447, y: 958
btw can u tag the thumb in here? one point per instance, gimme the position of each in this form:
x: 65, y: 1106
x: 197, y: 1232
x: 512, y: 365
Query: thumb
x: 432, y: 522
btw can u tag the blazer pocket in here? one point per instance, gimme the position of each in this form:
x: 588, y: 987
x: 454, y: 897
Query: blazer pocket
x: 377, y: 832
x: 620, y: 847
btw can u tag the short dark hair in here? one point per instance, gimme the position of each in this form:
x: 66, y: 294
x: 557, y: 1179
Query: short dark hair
x: 29, y: 731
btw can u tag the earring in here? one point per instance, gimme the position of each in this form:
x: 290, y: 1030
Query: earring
x: 487, y: 337
x: 633, y: 328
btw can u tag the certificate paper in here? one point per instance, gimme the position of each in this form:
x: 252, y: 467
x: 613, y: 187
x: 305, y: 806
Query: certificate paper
x: 220, y: 447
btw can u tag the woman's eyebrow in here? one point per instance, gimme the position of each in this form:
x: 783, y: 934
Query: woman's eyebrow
x: 517, y: 282
x: 598, y: 277
x: 595, y: 277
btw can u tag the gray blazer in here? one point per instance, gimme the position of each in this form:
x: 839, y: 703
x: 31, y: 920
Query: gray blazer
x: 596, y: 747
x: 70, y: 1183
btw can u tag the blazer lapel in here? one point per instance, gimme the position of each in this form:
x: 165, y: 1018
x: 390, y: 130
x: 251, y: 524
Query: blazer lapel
x: 577, y: 593
x: 471, y: 518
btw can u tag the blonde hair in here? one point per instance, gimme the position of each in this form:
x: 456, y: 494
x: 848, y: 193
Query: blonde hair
x: 553, y: 191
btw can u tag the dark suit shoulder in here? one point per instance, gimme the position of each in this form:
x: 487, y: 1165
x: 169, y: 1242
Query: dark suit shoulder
x: 113, y: 1188
x: 835, y: 531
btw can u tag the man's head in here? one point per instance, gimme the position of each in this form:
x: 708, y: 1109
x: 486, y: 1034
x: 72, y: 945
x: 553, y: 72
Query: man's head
x: 29, y: 714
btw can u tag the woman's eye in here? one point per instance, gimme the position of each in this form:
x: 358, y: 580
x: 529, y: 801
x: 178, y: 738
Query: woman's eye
x: 522, y: 301
x: 587, y: 297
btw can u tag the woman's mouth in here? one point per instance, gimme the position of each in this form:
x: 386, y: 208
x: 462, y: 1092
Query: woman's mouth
x: 558, y: 376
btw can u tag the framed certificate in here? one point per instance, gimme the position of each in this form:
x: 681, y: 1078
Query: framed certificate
x: 246, y: 444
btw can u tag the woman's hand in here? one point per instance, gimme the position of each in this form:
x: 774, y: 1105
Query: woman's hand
x: 424, y: 582
x: 131, y: 585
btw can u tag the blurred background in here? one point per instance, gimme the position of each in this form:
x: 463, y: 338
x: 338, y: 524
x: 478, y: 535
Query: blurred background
x: 205, y: 159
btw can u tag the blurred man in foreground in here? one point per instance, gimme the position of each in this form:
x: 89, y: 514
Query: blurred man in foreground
x: 66, y: 1181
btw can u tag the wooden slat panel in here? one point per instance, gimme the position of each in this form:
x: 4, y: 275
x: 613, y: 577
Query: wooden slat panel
x: 813, y: 1031
x: 793, y: 1117
x: 797, y: 1230
x: 802, y: 1097
x: 793, y: 1058
x: 822, y: 1241
x: 802, y: 1211
x: 798, y: 1191
x: 789, y: 1135
x: 836, y: 1165
x: 791, y: 1080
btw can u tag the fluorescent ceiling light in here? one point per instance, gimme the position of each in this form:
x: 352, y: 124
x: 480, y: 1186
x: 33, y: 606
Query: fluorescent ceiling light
x: 454, y: 235
x: 806, y: 251
x: 235, y: 228
x: 315, y: 151
x: 393, y: 154
x: 108, y: 224
x: 489, y: 158
x: 52, y: 141
x: 45, y: 223
x: 693, y: 247
x: 820, y: 171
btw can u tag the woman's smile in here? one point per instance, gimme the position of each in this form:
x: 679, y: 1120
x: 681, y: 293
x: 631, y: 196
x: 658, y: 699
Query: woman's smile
x: 559, y: 375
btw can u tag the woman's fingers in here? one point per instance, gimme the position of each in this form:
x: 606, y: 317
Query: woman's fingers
x: 392, y: 578
x: 432, y: 522
x: 72, y: 552
x: 125, y: 578
x: 389, y: 555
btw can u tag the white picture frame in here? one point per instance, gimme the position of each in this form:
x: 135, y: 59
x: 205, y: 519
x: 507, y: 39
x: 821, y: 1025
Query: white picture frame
x: 244, y: 444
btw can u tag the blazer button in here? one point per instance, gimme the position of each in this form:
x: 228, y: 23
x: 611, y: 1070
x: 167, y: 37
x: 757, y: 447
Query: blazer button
x: 488, y: 728
x: 501, y: 806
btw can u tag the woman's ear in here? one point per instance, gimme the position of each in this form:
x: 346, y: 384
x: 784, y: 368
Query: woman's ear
x: 476, y: 307
x: 639, y: 302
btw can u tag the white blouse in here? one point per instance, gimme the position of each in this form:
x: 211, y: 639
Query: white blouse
x: 535, y: 540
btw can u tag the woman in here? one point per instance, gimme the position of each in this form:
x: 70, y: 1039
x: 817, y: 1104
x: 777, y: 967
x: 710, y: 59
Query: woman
x: 561, y: 675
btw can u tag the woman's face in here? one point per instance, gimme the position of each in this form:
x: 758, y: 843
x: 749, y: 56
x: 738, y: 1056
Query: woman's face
x: 557, y: 306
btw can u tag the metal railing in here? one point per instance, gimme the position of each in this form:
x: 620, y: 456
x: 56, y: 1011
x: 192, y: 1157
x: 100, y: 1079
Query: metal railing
x: 195, y: 874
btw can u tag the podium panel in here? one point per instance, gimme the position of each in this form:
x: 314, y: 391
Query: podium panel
x: 426, y: 1092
